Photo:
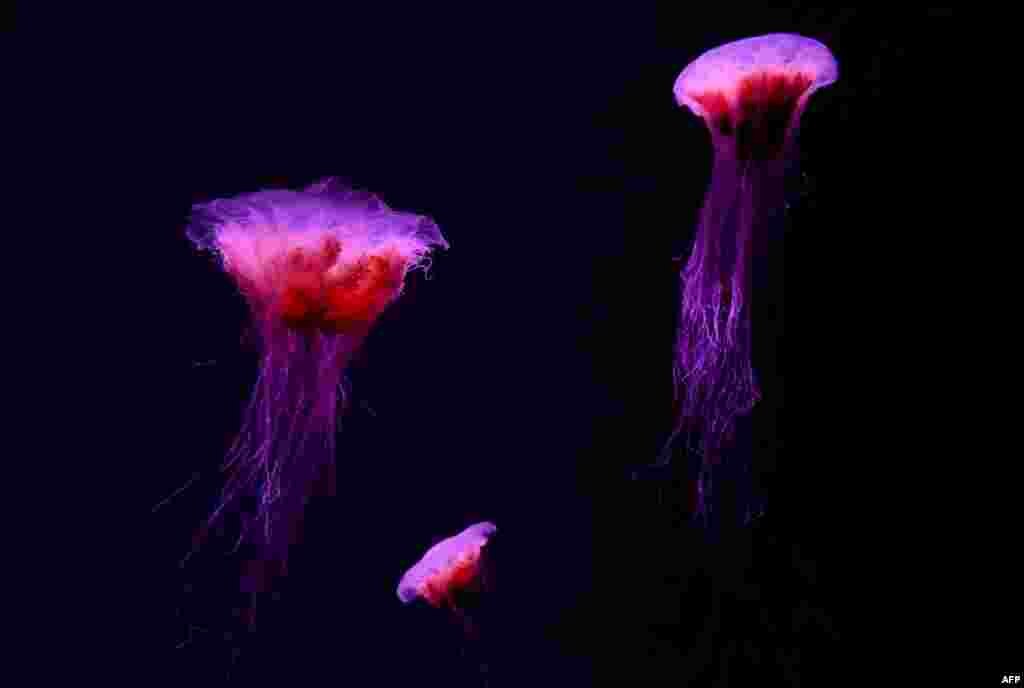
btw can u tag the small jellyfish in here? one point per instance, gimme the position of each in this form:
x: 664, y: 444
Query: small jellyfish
x: 751, y: 94
x: 317, y: 267
x: 450, y: 573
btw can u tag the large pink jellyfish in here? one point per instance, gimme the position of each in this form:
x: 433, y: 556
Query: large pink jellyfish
x: 317, y: 267
x: 448, y: 570
x: 751, y: 94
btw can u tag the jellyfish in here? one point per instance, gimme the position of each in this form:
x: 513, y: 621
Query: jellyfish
x: 451, y: 573
x: 316, y: 268
x: 751, y: 94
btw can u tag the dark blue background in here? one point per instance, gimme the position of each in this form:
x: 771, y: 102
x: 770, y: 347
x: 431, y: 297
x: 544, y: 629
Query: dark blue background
x: 522, y: 381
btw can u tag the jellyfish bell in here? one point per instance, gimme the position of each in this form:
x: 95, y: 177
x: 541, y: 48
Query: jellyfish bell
x: 451, y: 566
x: 453, y: 575
x: 751, y: 94
x: 326, y: 260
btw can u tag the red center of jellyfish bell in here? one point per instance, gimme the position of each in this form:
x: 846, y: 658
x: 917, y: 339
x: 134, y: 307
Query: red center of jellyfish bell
x: 459, y: 575
x: 757, y: 111
x: 320, y: 290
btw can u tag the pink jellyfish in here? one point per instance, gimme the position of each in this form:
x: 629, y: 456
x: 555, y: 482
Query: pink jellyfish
x: 448, y: 570
x: 751, y: 94
x: 316, y: 267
